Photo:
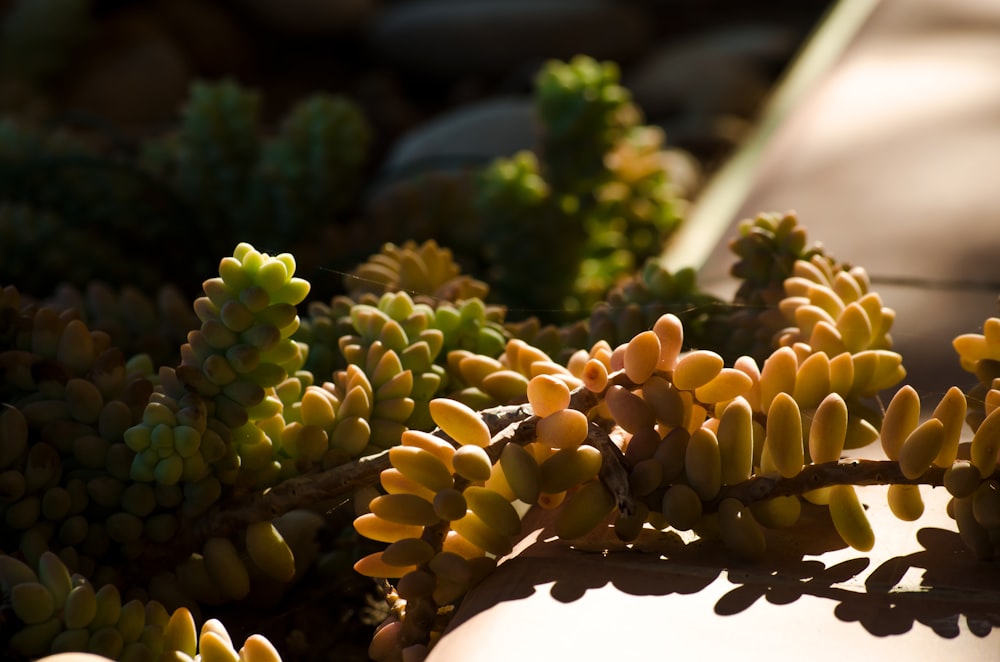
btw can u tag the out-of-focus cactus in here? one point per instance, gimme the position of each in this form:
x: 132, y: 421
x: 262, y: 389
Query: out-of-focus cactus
x: 217, y: 146
x: 534, y: 240
x: 595, y: 200
x: 634, y: 210
x: 90, y: 200
x: 312, y: 169
x: 584, y: 114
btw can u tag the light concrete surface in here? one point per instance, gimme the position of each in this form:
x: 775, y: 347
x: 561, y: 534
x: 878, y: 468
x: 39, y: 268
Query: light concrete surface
x: 889, y: 152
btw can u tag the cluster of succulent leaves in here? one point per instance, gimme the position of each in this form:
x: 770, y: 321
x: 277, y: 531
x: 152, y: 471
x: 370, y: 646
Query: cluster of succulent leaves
x: 830, y: 350
x: 766, y: 250
x: 108, y: 453
x: 258, y: 397
x: 566, y: 236
x: 747, y: 324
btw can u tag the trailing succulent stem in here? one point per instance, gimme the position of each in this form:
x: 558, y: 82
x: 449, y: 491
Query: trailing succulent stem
x: 206, y: 480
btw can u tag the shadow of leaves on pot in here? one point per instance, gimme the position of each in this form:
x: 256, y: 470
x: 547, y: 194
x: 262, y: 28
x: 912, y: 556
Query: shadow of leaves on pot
x: 937, y: 587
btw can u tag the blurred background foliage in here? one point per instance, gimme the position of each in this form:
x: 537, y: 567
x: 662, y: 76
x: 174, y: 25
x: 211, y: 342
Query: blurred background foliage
x: 553, y: 168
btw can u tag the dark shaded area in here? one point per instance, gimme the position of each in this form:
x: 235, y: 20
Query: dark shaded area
x: 954, y: 591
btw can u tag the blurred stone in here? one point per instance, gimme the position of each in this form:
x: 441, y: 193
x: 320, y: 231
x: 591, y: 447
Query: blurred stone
x: 131, y: 73
x: 455, y: 37
x: 311, y: 17
x: 470, y: 135
x: 208, y: 35
x: 718, y: 72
